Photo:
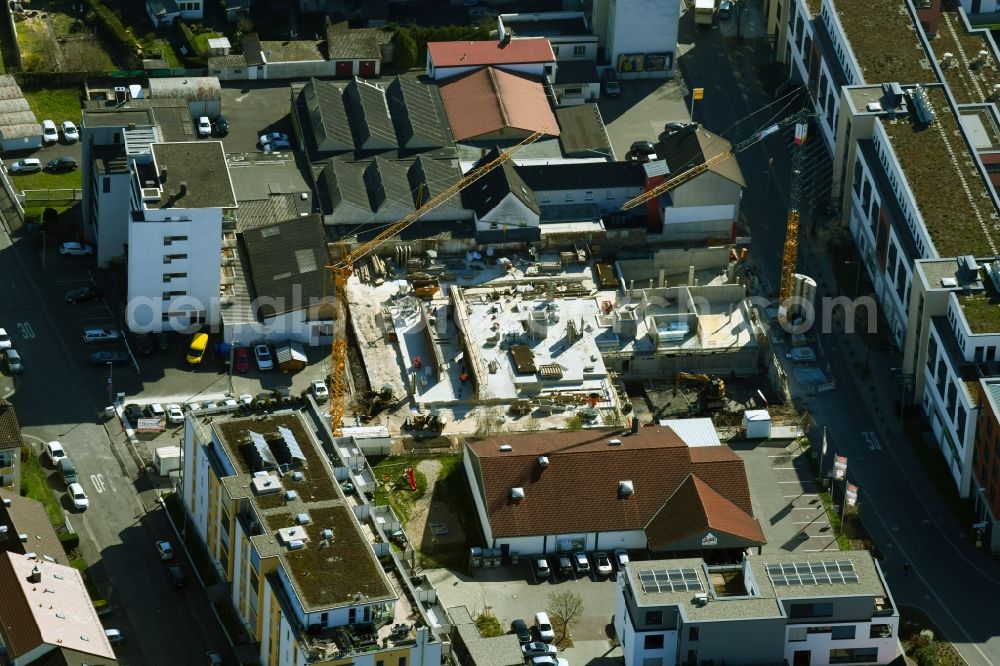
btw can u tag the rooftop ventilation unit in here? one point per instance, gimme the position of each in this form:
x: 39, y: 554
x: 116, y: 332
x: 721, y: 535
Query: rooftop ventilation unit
x: 949, y: 282
x: 543, y: 461
x: 968, y: 267
x: 327, y: 533
x: 614, y: 442
x: 517, y: 493
x: 701, y: 598
x: 506, y: 447
x: 296, y: 544
x: 994, y: 94
x: 946, y: 58
x: 302, y: 519
x: 873, y: 107
x: 893, y: 93
x: 6, y: 501
x: 983, y: 57
x: 994, y: 271
x: 626, y: 489
x: 291, y: 496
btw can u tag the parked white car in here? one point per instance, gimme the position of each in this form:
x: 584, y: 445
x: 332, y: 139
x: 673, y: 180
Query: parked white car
x: 5, y: 341
x: 319, y: 390
x: 204, y: 126
x: 55, y: 452
x: 70, y: 131
x: 80, y: 501
x: 49, y: 132
x: 74, y: 249
x: 165, y: 550
x: 175, y: 414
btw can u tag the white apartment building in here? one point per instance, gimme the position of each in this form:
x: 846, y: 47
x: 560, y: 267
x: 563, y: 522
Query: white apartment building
x: 180, y: 195
x: 302, y: 572
x: 909, y: 117
x: 803, y: 609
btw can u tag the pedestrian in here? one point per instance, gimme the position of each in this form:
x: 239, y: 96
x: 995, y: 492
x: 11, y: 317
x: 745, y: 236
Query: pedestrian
x: 906, y: 568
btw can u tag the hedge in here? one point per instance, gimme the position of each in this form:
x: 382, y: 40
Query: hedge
x: 70, y: 540
x: 444, y: 33
x: 188, y: 36
x: 111, y: 27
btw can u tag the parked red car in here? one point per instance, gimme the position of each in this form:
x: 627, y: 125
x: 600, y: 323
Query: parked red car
x: 242, y: 359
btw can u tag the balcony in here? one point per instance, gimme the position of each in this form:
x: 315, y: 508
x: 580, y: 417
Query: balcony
x: 229, y: 256
x: 227, y: 276
x: 228, y: 239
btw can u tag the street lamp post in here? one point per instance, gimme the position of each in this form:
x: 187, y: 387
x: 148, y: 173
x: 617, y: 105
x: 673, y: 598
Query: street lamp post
x: 857, y: 275
x: 111, y: 392
x: 232, y: 355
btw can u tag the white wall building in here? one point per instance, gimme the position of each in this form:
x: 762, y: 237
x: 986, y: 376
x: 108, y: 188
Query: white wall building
x: 180, y: 197
x: 639, y: 37
x: 791, y: 608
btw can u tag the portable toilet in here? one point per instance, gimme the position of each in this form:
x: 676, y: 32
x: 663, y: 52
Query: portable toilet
x: 757, y: 424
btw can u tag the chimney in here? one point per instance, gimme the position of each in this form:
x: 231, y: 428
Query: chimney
x: 690, y: 276
x: 36, y: 575
x: 163, y: 175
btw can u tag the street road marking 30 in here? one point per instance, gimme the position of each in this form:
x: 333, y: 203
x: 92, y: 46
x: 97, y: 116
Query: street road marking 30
x: 872, y: 440
x: 98, y: 481
x: 26, y: 331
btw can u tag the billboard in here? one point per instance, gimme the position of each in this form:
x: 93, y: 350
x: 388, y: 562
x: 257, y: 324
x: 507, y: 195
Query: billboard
x: 634, y: 62
x: 658, y: 62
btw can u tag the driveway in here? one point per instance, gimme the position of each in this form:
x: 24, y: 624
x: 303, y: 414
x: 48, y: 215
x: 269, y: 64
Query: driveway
x: 641, y: 111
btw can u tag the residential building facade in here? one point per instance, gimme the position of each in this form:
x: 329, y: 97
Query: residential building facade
x: 986, y: 457
x: 10, y: 448
x: 638, y: 37
x: 806, y: 609
x: 261, y: 494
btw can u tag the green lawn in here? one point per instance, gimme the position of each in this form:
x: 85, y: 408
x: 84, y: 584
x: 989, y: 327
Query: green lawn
x: 56, y: 104
x: 48, y: 181
x: 201, y: 41
x: 35, y: 485
x: 37, y: 49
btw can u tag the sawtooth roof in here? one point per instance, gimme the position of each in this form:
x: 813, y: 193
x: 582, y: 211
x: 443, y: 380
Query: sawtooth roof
x: 491, y: 100
x: 416, y: 114
x: 584, y: 466
x: 369, y: 116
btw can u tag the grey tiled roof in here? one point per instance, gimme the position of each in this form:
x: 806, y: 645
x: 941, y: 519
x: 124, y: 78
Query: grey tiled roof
x: 327, y: 115
x: 288, y: 262
x: 369, y: 115
x: 10, y: 429
x: 387, y: 180
x: 345, y: 181
x: 415, y: 112
x: 231, y: 60
x: 483, y: 195
x: 356, y: 44
x: 434, y: 176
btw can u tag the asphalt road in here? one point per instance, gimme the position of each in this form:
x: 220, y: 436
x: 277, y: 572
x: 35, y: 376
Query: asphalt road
x: 949, y: 579
x: 59, y: 397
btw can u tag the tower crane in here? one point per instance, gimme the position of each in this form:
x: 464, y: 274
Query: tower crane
x: 791, y: 248
x: 344, y: 267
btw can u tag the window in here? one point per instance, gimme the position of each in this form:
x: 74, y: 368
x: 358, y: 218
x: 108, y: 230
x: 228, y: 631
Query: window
x: 694, y: 633
x: 569, y: 196
x: 543, y: 197
x: 960, y: 423
x: 931, y: 353
x: 167, y: 240
x: 844, y: 633
x: 654, y: 617
x: 800, y: 611
x: 796, y: 634
x: 818, y: 630
x: 167, y: 295
x: 609, y: 195
x: 165, y: 316
x: 402, y: 661
x: 653, y: 642
x: 167, y: 258
x: 952, y: 395
x: 105, y: 185
x: 588, y: 196
x: 555, y: 51
x: 853, y: 656
x: 880, y: 631
x: 167, y: 277
x: 579, y: 50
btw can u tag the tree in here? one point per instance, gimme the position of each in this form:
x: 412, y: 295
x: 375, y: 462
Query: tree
x: 565, y: 608
x: 405, y: 56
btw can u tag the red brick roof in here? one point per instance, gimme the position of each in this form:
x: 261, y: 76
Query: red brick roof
x: 693, y: 509
x: 584, y: 472
x: 492, y: 52
x: 491, y: 100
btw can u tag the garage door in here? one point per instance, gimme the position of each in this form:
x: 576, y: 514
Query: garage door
x: 367, y: 69
x: 345, y: 69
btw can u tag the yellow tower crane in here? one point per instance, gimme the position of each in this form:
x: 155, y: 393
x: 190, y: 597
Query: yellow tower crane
x: 343, y: 268
x: 791, y: 247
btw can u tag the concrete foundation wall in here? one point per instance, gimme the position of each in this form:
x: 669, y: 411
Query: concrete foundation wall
x: 742, y: 362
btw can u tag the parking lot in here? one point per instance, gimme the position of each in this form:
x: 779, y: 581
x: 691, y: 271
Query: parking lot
x: 254, y: 109
x: 785, y: 497
x: 513, y: 592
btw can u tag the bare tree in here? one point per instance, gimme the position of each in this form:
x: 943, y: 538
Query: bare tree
x: 565, y: 608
